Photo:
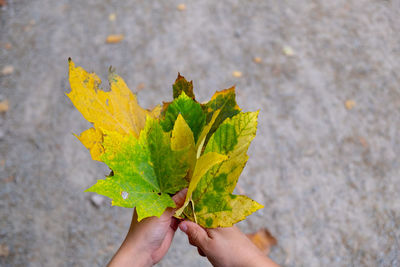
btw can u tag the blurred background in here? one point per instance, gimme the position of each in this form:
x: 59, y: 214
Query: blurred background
x: 325, y: 162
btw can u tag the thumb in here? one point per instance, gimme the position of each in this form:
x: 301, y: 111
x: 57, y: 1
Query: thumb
x: 179, y: 199
x: 197, y: 235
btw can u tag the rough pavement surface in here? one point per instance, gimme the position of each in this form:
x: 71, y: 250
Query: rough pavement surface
x: 329, y: 176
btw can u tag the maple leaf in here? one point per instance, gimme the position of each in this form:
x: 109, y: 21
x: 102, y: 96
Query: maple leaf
x: 182, y: 85
x: 190, y: 110
x: 116, y: 110
x: 145, y: 170
x: 213, y: 204
x: 224, y: 103
x: 154, y: 154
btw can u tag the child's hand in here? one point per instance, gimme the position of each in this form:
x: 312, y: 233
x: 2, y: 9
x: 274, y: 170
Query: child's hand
x: 148, y: 240
x: 225, y: 246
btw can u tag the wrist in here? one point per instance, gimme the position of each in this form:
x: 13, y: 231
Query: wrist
x: 132, y: 254
x: 262, y: 261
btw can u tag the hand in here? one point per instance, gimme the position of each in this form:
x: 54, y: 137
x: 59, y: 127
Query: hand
x: 148, y: 240
x: 225, y: 246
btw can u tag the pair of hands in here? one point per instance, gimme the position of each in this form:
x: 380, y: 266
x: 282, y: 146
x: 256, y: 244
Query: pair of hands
x: 148, y: 241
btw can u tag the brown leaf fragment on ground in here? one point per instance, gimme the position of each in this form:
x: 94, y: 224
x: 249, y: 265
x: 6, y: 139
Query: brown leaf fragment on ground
x: 140, y: 87
x: 257, y: 60
x: 3, y: 3
x: 237, y: 74
x: 349, y: 104
x: 9, y: 179
x: 4, y: 106
x: 4, y: 250
x: 363, y: 142
x: 7, y: 46
x: 263, y: 240
x: 114, y: 38
x: 181, y: 7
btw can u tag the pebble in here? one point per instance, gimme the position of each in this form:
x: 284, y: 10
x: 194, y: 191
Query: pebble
x: 7, y: 70
x: 112, y: 17
x: 97, y: 200
x: 287, y: 50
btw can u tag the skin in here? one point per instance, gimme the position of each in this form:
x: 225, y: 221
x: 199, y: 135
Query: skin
x: 148, y: 241
x: 225, y: 246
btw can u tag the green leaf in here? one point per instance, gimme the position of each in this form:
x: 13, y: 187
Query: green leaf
x: 224, y: 102
x: 146, y: 170
x: 213, y: 202
x: 190, y: 110
x: 182, y: 85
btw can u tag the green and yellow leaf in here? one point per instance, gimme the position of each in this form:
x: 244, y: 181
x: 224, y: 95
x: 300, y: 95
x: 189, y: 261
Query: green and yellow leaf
x: 225, y: 103
x: 182, y: 139
x: 214, y: 205
x: 154, y: 154
x: 145, y: 170
x: 190, y: 110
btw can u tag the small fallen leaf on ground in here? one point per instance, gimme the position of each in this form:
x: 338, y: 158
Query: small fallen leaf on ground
x: 3, y: 2
x: 9, y: 179
x: 2, y: 163
x: 114, y: 38
x: 263, y: 240
x: 7, y: 46
x: 349, y: 104
x: 112, y: 17
x: 288, y: 51
x: 7, y: 70
x: 237, y: 74
x: 4, y: 106
x: 257, y: 59
x: 181, y: 7
x: 139, y: 87
x: 4, y: 250
x: 363, y: 142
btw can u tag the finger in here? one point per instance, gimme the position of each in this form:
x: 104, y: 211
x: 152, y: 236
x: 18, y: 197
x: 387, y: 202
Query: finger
x: 197, y: 235
x: 179, y: 198
x: 201, y: 253
x: 174, y: 223
x: 166, y: 243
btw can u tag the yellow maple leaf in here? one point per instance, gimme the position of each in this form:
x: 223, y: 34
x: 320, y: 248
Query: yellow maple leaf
x: 116, y: 110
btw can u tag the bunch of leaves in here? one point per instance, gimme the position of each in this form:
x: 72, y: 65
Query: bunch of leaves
x: 155, y: 153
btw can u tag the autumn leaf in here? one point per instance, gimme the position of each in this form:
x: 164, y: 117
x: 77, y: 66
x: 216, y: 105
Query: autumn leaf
x: 182, y: 138
x: 190, y: 110
x: 145, y: 170
x: 182, y: 85
x: 263, y: 240
x: 154, y: 154
x: 225, y: 103
x: 116, y: 110
x: 213, y: 204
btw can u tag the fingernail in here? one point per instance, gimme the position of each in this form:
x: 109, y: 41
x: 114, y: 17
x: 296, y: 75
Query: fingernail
x: 183, y: 227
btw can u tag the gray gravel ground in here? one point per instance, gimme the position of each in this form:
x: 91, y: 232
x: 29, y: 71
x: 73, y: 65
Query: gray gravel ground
x: 329, y: 177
